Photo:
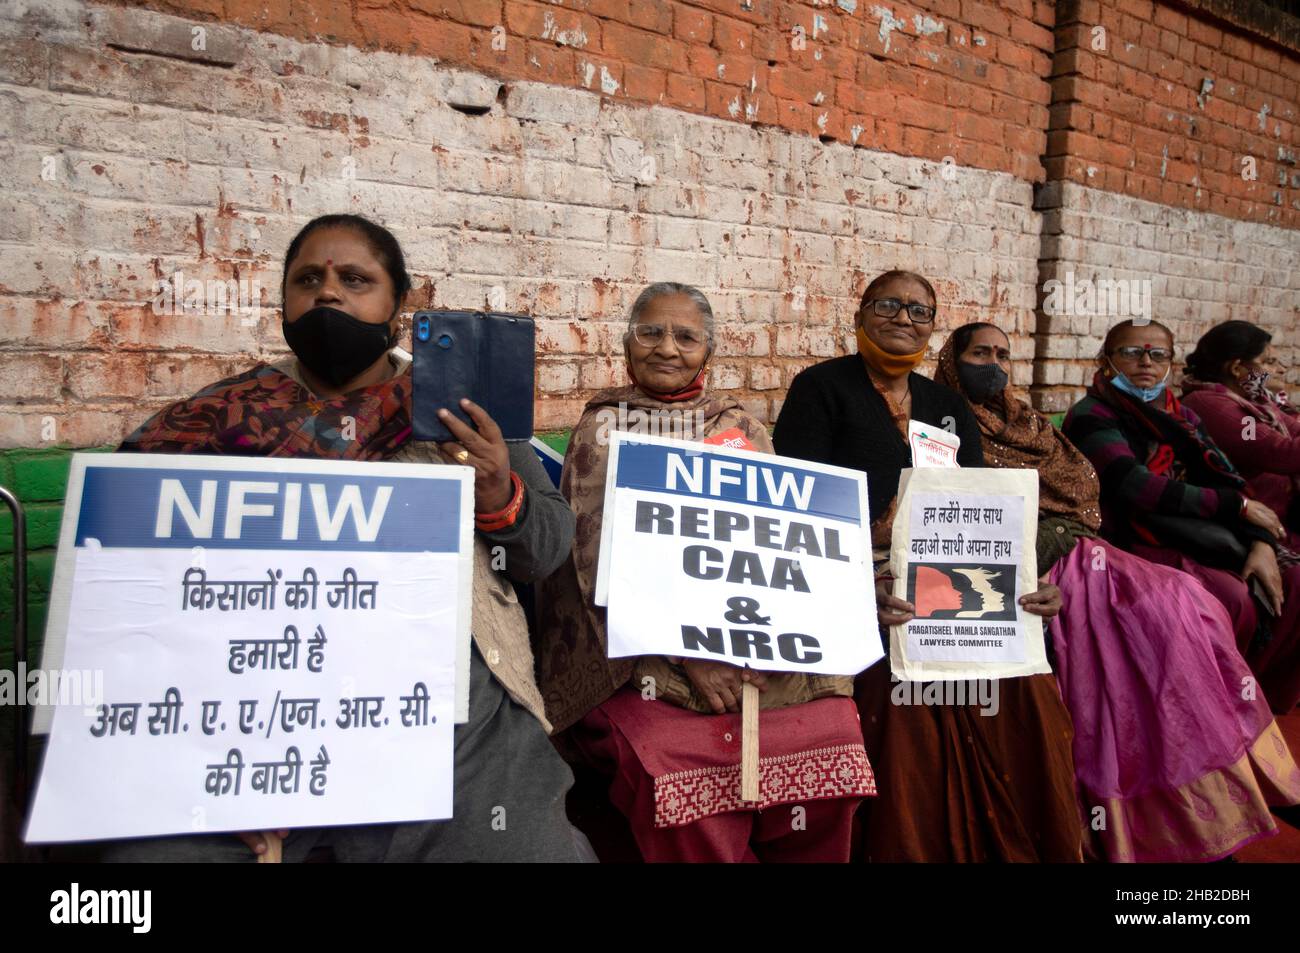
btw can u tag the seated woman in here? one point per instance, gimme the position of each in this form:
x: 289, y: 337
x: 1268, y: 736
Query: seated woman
x: 1226, y: 385
x: 957, y: 784
x: 1182, y: 765
x: 665, y: 730
x: 346, y: 395
x: 1170, y: 495
x: 1274, y: 387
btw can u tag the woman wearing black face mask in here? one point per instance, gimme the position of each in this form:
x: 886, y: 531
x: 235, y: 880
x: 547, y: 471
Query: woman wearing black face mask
x: 1181, y: 764
x: 346, y: 395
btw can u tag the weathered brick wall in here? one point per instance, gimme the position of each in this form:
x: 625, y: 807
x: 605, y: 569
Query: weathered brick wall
x: 1202, y: 269
x: 959, y: 78
x: 1167, y: 103
x: 560, y: 202
x: 1172, y: 161
x: 554, y: 201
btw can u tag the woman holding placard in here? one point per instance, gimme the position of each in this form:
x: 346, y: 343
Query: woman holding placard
x: 957, y: 783
x: 1137, y: 645
x: 345, y: 394
x: 664, y: 731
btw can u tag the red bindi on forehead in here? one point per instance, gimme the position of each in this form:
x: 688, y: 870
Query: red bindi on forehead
x: 1144, y: 337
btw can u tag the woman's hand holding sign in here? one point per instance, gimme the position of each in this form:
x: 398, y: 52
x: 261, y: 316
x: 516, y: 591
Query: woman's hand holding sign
x: 485, y: 451
x: 1046, y: 602
x: 891, y: 610
x: 720, y: 683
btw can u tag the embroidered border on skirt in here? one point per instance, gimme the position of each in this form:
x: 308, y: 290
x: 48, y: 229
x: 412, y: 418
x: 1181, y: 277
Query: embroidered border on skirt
x: 841, y: 771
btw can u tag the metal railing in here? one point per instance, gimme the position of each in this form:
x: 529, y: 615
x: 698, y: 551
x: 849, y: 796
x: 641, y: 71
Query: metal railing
x: 20, y: 644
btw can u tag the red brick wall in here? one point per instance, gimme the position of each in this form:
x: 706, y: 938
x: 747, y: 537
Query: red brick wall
x: 1133, y: 118
x: 951, y: 78
x: 956, y: 78
x: 164, y: 160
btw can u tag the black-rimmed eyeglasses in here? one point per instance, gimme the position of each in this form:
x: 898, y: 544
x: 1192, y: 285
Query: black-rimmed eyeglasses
x: 1158, y: 355
x: 888, y: 307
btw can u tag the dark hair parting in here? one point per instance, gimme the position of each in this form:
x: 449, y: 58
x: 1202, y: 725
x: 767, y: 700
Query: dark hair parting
x: 1130, y: 323
x: 889, y: 276
x: 962, y: 335
x: 381, y: 241
x: 1230, y: 341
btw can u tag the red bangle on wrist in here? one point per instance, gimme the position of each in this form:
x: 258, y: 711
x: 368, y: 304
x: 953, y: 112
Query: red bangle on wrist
x: 504, y: 517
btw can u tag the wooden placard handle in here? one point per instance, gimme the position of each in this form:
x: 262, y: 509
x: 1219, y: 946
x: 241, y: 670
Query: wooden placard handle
x: 749, y: 787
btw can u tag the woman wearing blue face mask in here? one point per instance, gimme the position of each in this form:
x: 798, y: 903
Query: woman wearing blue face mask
x: 1170, y: 495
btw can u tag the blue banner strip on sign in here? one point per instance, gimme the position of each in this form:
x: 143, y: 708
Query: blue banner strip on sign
x: 716, y: 476
x: 175, y: 508
x: 552, y: 460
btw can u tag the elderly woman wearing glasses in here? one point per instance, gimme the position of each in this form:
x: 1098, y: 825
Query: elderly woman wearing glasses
x: 957, y: 782
x: 664, y: 731
x: 1170, y: 495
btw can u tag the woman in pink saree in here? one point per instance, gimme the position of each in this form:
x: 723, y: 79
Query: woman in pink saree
x: 1174, y: 760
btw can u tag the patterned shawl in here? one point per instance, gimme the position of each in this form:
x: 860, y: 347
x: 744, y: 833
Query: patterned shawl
x: 1269, y: 414
x: 265, y: 413
x: 574, y: 670
x: 1017, y: 436
x: 1178, y: 448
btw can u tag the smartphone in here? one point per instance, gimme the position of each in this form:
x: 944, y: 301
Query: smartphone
x: 1261, y: 597
x: 486, y: 357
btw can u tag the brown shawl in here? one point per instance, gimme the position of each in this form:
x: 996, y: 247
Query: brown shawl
x: 1017, y: 436
x: 574, y: 670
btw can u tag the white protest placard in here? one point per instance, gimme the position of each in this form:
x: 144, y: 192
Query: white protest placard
x: 278, y: 641
x: 724, y: 554
x: 932, y: 446
x: 963, y: 553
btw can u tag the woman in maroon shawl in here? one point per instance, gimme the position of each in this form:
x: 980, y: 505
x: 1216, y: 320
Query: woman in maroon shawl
x: 1226, y: 384
x: 665, y: 731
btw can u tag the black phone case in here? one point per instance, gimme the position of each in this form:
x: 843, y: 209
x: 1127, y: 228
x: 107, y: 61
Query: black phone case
x: 1262, y: 602
x: 486, y: 357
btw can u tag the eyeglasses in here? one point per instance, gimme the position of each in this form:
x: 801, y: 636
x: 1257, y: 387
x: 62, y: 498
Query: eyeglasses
x: 888, y: 307
x: 650, y: 335
x: 1158, y: 355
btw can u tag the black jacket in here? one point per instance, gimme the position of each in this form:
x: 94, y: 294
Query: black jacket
x: 832, y: 414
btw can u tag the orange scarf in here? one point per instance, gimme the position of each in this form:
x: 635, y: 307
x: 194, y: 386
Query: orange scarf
x: 881, y: 361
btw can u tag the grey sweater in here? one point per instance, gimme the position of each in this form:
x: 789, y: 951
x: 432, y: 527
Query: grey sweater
x: 534, y: 547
